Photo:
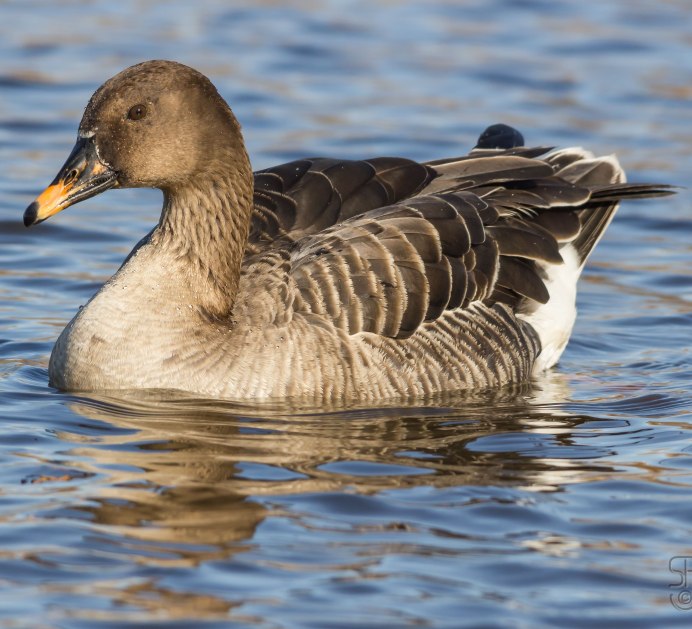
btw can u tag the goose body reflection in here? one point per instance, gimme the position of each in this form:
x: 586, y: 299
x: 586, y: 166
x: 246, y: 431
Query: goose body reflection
x: 322, y: 278
x: 184, y: 470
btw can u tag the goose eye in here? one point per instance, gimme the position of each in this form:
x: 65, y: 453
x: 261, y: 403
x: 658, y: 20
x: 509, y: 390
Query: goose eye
x: 137, y: 112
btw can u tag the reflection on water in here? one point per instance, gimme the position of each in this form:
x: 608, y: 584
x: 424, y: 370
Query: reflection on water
x: 165, y: 485
x: 557, y: 504
x: 263, y: 450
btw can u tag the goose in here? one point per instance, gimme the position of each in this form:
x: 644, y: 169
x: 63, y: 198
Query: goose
x: 322, y: 278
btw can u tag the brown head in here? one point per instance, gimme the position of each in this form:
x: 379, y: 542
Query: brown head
x: 157, y: 124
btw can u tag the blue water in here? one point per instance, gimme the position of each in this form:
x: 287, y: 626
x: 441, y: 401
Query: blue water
x: 567, y: 503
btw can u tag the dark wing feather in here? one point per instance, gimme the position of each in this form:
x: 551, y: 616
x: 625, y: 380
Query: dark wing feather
x: 424, y: 257
x: 386, y: 244
x: 306, y: 196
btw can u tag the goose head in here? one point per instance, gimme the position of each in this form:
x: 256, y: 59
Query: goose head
x: 157, y: 124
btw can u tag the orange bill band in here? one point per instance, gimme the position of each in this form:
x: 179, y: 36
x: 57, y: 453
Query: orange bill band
x: 53, y: 199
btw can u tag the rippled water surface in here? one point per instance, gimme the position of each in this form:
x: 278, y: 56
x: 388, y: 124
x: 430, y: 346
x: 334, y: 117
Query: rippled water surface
x: 564, y: 504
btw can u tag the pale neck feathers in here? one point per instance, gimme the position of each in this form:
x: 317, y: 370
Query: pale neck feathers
x: 205, y: 224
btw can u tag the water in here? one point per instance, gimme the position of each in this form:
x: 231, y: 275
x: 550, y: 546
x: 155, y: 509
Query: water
x: 555, y: 505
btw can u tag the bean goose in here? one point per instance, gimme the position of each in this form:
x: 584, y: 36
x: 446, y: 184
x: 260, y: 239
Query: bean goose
x: 323, y: 278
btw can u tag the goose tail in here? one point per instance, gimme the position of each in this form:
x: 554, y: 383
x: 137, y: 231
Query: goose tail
x: 603, y: 181
x: 607, y: 183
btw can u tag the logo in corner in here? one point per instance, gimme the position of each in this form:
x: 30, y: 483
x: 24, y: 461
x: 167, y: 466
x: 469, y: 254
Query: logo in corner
x: 681, y: 594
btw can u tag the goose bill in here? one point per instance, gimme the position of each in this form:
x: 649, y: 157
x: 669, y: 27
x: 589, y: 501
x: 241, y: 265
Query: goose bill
x: 82, y: 176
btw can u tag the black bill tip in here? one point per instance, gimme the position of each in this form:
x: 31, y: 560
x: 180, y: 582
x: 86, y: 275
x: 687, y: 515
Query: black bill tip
x: 30, y: 214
